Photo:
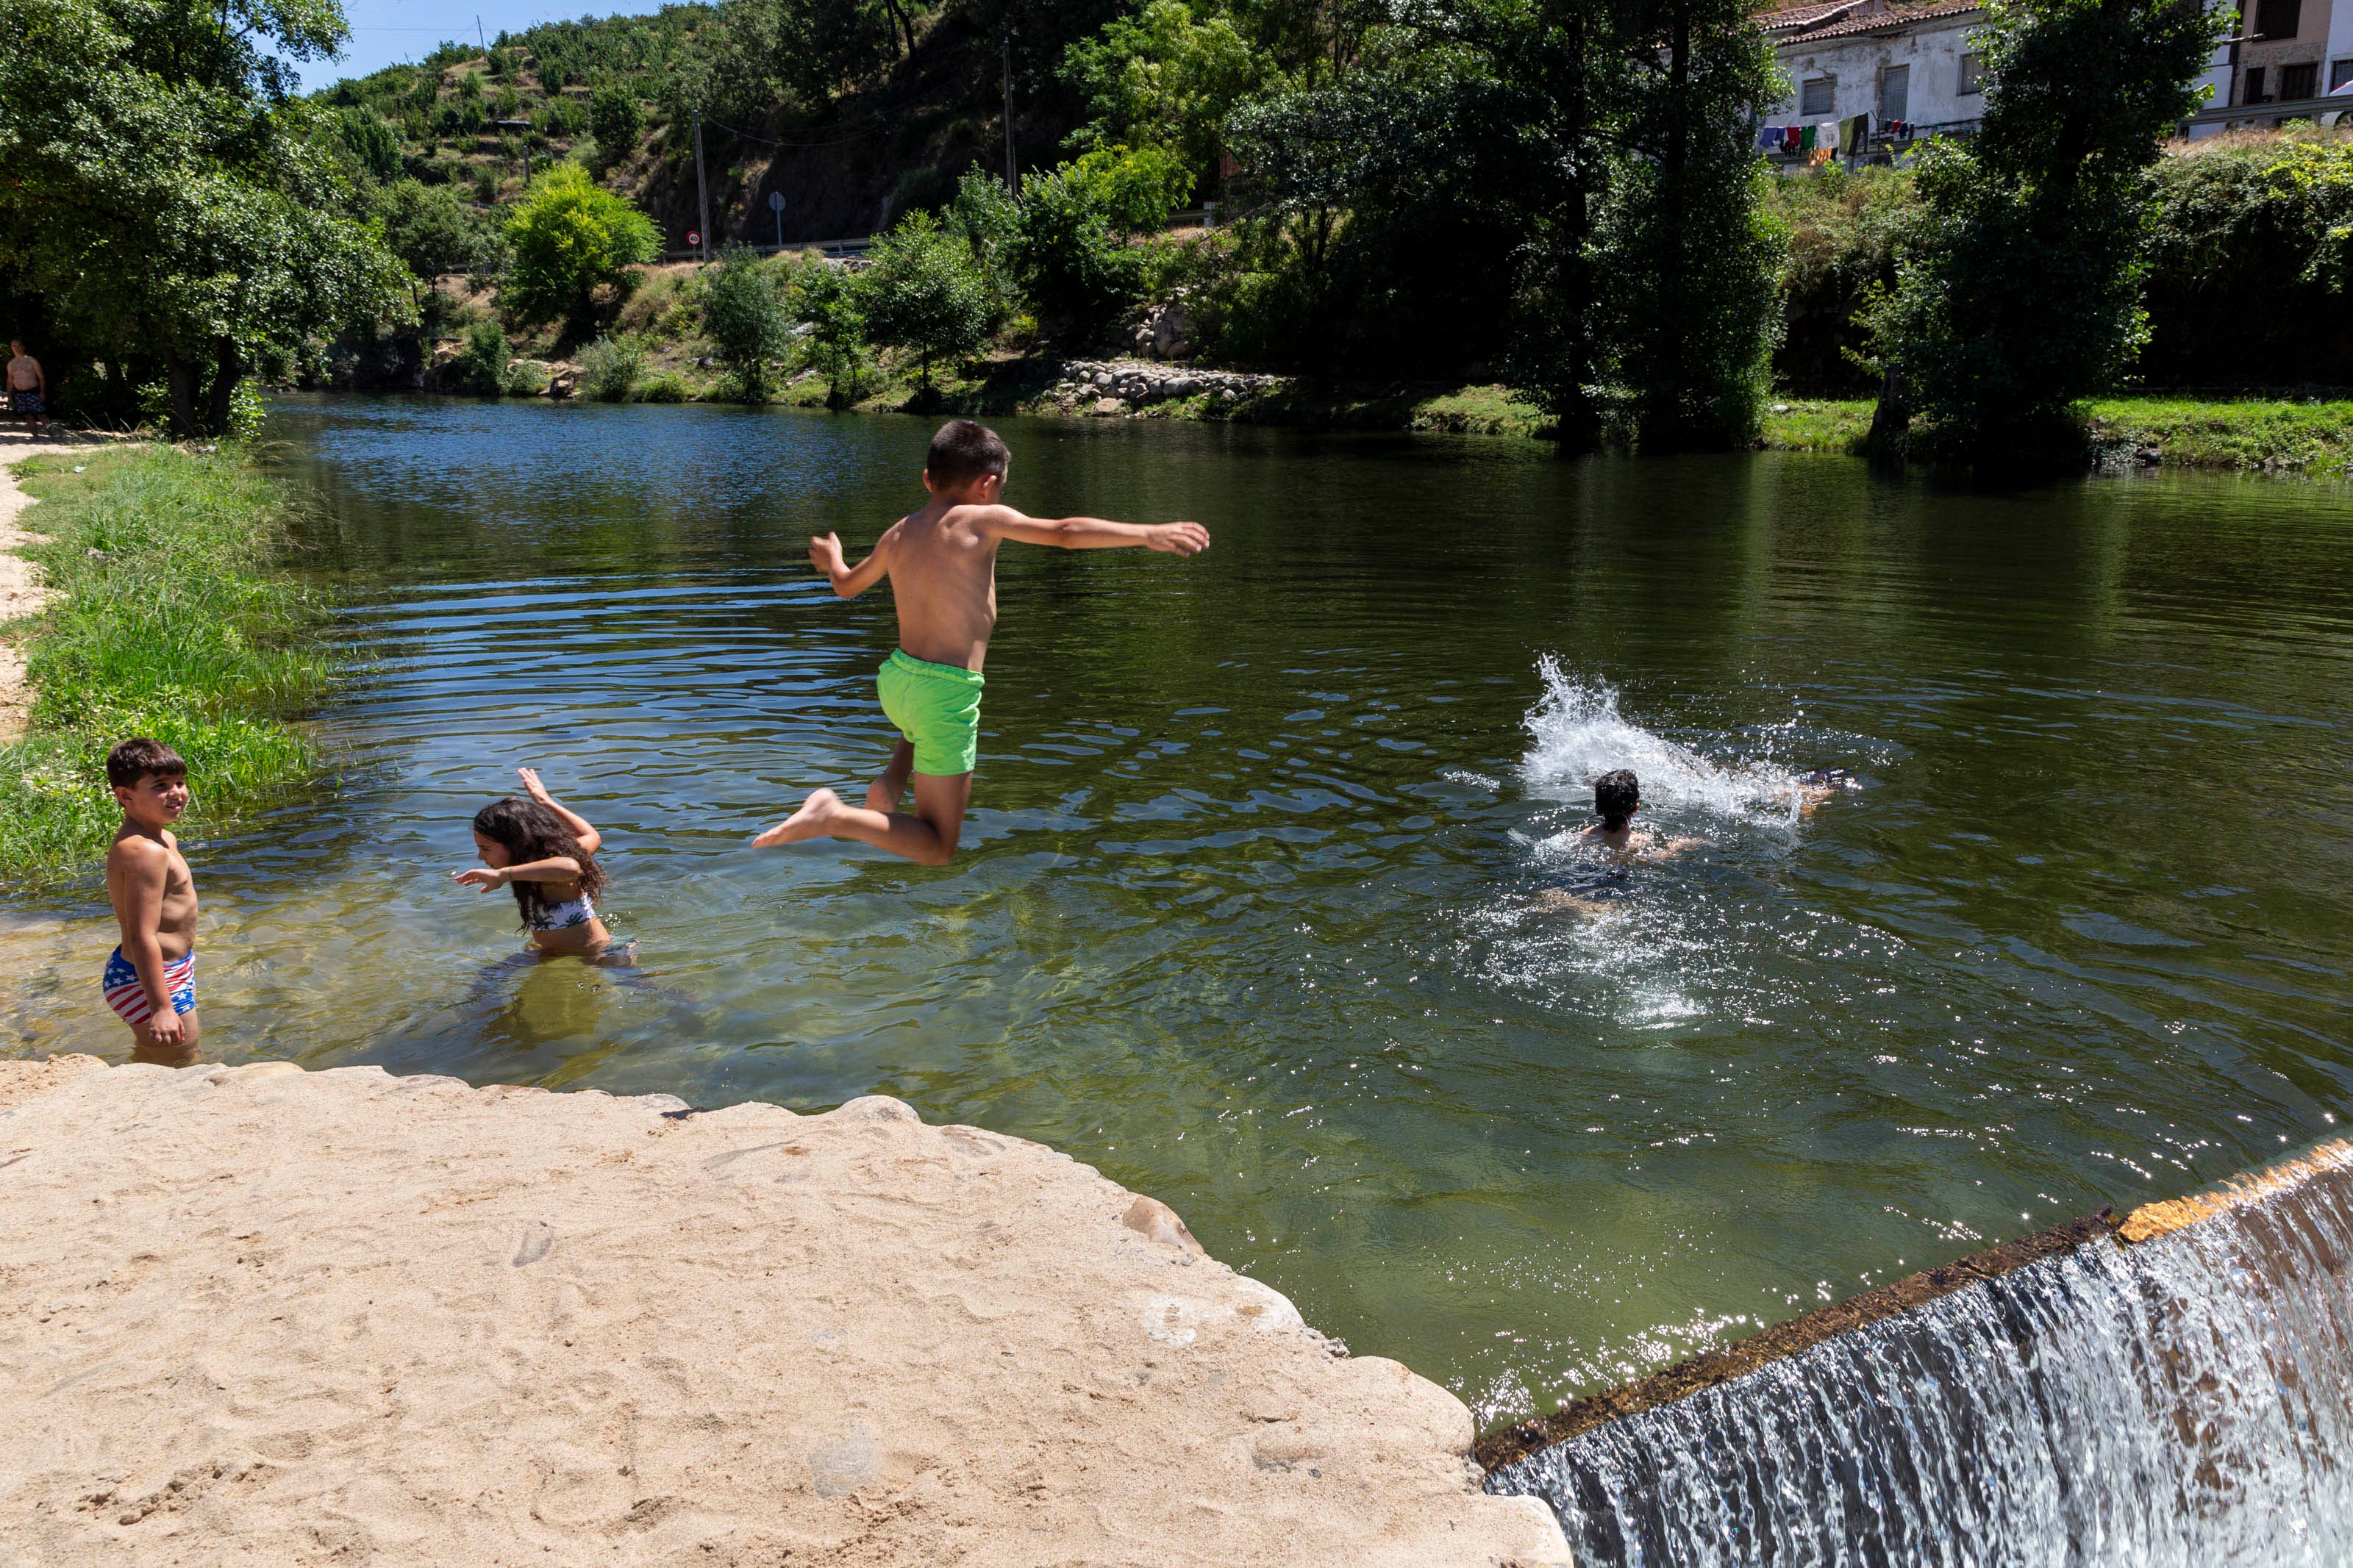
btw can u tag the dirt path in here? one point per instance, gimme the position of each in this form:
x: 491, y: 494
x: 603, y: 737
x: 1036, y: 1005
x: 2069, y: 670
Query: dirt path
x: 262, y: 1315
x: 20, y: 581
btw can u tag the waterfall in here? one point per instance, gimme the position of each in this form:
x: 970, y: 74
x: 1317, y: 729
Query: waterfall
x: 2175, y: 1389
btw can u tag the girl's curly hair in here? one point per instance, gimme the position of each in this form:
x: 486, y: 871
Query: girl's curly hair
x: 529, y: 831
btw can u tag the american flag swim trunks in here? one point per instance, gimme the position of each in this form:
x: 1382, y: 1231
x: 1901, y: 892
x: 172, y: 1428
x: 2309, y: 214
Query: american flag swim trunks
x: 128, y: 999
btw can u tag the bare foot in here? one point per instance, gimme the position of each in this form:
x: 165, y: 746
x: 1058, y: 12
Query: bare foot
x: 813, y: 820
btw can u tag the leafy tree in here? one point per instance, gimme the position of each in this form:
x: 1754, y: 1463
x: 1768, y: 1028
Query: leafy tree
x: 166, y: 196
x: 2019, y: 287
x: 615, y: 120
x: 569, y: 237
x: 923, y: 292
x: 1164, y: 77
x: 827, y: 299
x: 1692, y: 258
x: 1138, y: 187
x: 744, y: 316
x: 481, y: 367
x: 432, y: 232
x: 369, y: 138
x: 1072, y: 265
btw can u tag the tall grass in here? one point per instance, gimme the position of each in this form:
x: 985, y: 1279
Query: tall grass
x: 170, y: 616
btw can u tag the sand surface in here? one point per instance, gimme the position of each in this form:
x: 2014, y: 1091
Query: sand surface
x: 266, y: 1316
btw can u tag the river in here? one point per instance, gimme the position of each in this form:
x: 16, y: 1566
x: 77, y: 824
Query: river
x: 1261, y: 909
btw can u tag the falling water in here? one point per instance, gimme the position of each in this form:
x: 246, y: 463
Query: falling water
x: 2187, y: 1400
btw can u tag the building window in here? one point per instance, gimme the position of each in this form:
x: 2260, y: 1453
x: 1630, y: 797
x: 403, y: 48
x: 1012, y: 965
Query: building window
x: 1896, y: 93
x: 1972, y: 75
x: 1815, y: 98
x: 2299, y: 83
x: 2251, y: 86
x: 2278, y: 18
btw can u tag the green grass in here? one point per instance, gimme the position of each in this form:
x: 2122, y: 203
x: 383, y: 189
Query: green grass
x: 1816, y: 424
x: 170, y: 616
x: 2312, y: 438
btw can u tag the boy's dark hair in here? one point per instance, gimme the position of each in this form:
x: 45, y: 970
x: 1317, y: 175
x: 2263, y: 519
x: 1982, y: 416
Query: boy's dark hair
x: 1615, y: 796
x: 138, y: 757
x: 965, y: 449
x: 529, y: 831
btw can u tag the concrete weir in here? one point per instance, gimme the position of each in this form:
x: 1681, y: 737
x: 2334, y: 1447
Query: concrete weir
x: 2175, y: 1387
x: 264, y: 1315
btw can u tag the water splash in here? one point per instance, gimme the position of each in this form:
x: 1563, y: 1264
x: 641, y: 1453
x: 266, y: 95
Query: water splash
x: 1577, y: 734
x: 2185, y: 1402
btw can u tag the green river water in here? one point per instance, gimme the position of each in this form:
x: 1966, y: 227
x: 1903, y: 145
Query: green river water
x: 1258, y: 907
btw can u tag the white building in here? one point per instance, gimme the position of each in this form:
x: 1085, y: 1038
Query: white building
x: 1912, y: 65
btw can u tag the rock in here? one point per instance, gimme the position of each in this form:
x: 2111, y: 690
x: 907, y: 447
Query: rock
x: 1107, y: 405
x: 562, y: 379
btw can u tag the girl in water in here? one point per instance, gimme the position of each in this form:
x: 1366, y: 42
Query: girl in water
x: 548, y: 856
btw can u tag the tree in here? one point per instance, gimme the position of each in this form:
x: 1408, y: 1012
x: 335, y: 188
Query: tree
x: 570, y: 236
x: 1164, y: 78
x: 1692, y: 259
x: 744, y: 316
x: 922, y: 291
x: 2018, y: 287
x: 432, y: 232
x: 1073, y: 267
x: 615, y: 120
x: 167, y: 196
x: 371, y: 140
x: 827, y: 299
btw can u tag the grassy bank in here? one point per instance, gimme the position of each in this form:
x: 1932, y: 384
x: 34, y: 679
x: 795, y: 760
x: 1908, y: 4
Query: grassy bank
x: 2263, y: 434
x: 169, y: 616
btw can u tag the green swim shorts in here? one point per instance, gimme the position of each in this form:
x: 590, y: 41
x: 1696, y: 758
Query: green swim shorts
x: 936, y: 707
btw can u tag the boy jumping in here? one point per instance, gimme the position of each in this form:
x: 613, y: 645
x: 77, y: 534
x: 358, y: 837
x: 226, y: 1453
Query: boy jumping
x: 942, y: 562
x: 150, y: 979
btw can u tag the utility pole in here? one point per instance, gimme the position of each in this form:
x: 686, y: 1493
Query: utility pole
x: 702, y: 189
x: 1012, y: 178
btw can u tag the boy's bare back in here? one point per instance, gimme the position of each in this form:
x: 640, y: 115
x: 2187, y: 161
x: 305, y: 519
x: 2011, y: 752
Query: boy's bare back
x: 942, y: 562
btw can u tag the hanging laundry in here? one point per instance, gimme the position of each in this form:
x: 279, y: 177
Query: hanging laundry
x: 1770, y: 139
x: 1805, y: 138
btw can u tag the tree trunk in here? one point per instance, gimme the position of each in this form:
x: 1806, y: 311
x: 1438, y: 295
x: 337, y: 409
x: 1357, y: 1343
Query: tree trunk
x: 180, y: 376
x: 1893, y: 417
x: 228, y: 370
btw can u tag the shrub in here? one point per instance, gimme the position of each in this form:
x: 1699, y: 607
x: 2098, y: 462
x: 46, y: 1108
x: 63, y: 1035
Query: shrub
x: 371, y: 140
x: 1138, y: 186
x: 669, y: 387
x: 569, y: 237
x: 828, y: 300
x: 924, y: 292
x: 609, y: 368
x: 744, y: 316
x: 481, y: 367
x: 615, y: 120
x: 1841, y: 230
x: 1074, y: 268
x: 433, y: 232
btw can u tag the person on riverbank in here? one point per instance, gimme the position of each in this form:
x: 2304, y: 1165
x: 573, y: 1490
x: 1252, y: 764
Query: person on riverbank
x: 28, y: 388
x: 942, y: 564
x: 547, y: 856
x: 150, y: 979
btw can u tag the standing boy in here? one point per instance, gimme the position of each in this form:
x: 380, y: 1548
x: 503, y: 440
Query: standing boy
x: 942, y: 562
x: 150, y: 979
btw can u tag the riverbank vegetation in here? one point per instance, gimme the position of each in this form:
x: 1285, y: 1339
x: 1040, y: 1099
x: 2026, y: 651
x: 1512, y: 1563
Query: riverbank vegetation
x: 169, y: 615
x: 1450, y: 194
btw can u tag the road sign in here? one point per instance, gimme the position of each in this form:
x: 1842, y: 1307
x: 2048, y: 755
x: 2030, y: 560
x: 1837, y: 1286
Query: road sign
x: 776, y: 201
x: 695, y: 238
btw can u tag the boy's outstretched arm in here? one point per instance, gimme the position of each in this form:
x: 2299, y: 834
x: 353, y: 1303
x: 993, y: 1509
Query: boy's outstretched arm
x: 1094, y: 533
x: 849, y: 581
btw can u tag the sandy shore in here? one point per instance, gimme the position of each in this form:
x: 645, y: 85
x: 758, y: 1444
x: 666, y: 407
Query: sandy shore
x: 263, y: 1315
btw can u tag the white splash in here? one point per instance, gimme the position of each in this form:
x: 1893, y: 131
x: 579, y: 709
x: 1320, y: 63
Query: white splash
x: 1579, y: 735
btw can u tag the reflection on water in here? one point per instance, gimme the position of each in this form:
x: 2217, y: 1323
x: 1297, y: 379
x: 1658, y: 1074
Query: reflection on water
x: 1252, y: 912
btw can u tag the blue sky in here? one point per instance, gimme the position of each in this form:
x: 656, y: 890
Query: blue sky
x: 387, y: 32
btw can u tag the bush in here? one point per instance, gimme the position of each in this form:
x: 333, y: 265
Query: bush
x: 569, y: 237
x: 433, y: 232
x: 481, y: 365
x: 744, y: 316
x: 371, y: 140
x: 669, y: 387
x: 615, y: 120
x: 828, y: 300
x: 923, y: 292
x: 1841, y: 242
x: 1138, y: 186
x: 1073, y: 267
x: 609, y: 368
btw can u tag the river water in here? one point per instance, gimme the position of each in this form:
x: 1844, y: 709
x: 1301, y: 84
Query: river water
x: 1261, y: 908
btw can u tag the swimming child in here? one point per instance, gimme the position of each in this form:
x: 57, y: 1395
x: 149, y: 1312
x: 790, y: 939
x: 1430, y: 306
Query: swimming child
x: 548, y: 856
x: 1617, y: 797
x: 942, y: 564
x: 151, y: 978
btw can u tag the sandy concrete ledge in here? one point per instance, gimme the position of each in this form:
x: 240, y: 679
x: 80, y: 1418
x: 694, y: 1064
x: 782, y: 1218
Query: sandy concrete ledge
x: 267, y: 1316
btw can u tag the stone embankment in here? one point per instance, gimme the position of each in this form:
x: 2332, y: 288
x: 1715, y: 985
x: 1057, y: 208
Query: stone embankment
x: 263, y: 1315
x: 1122, y: 386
